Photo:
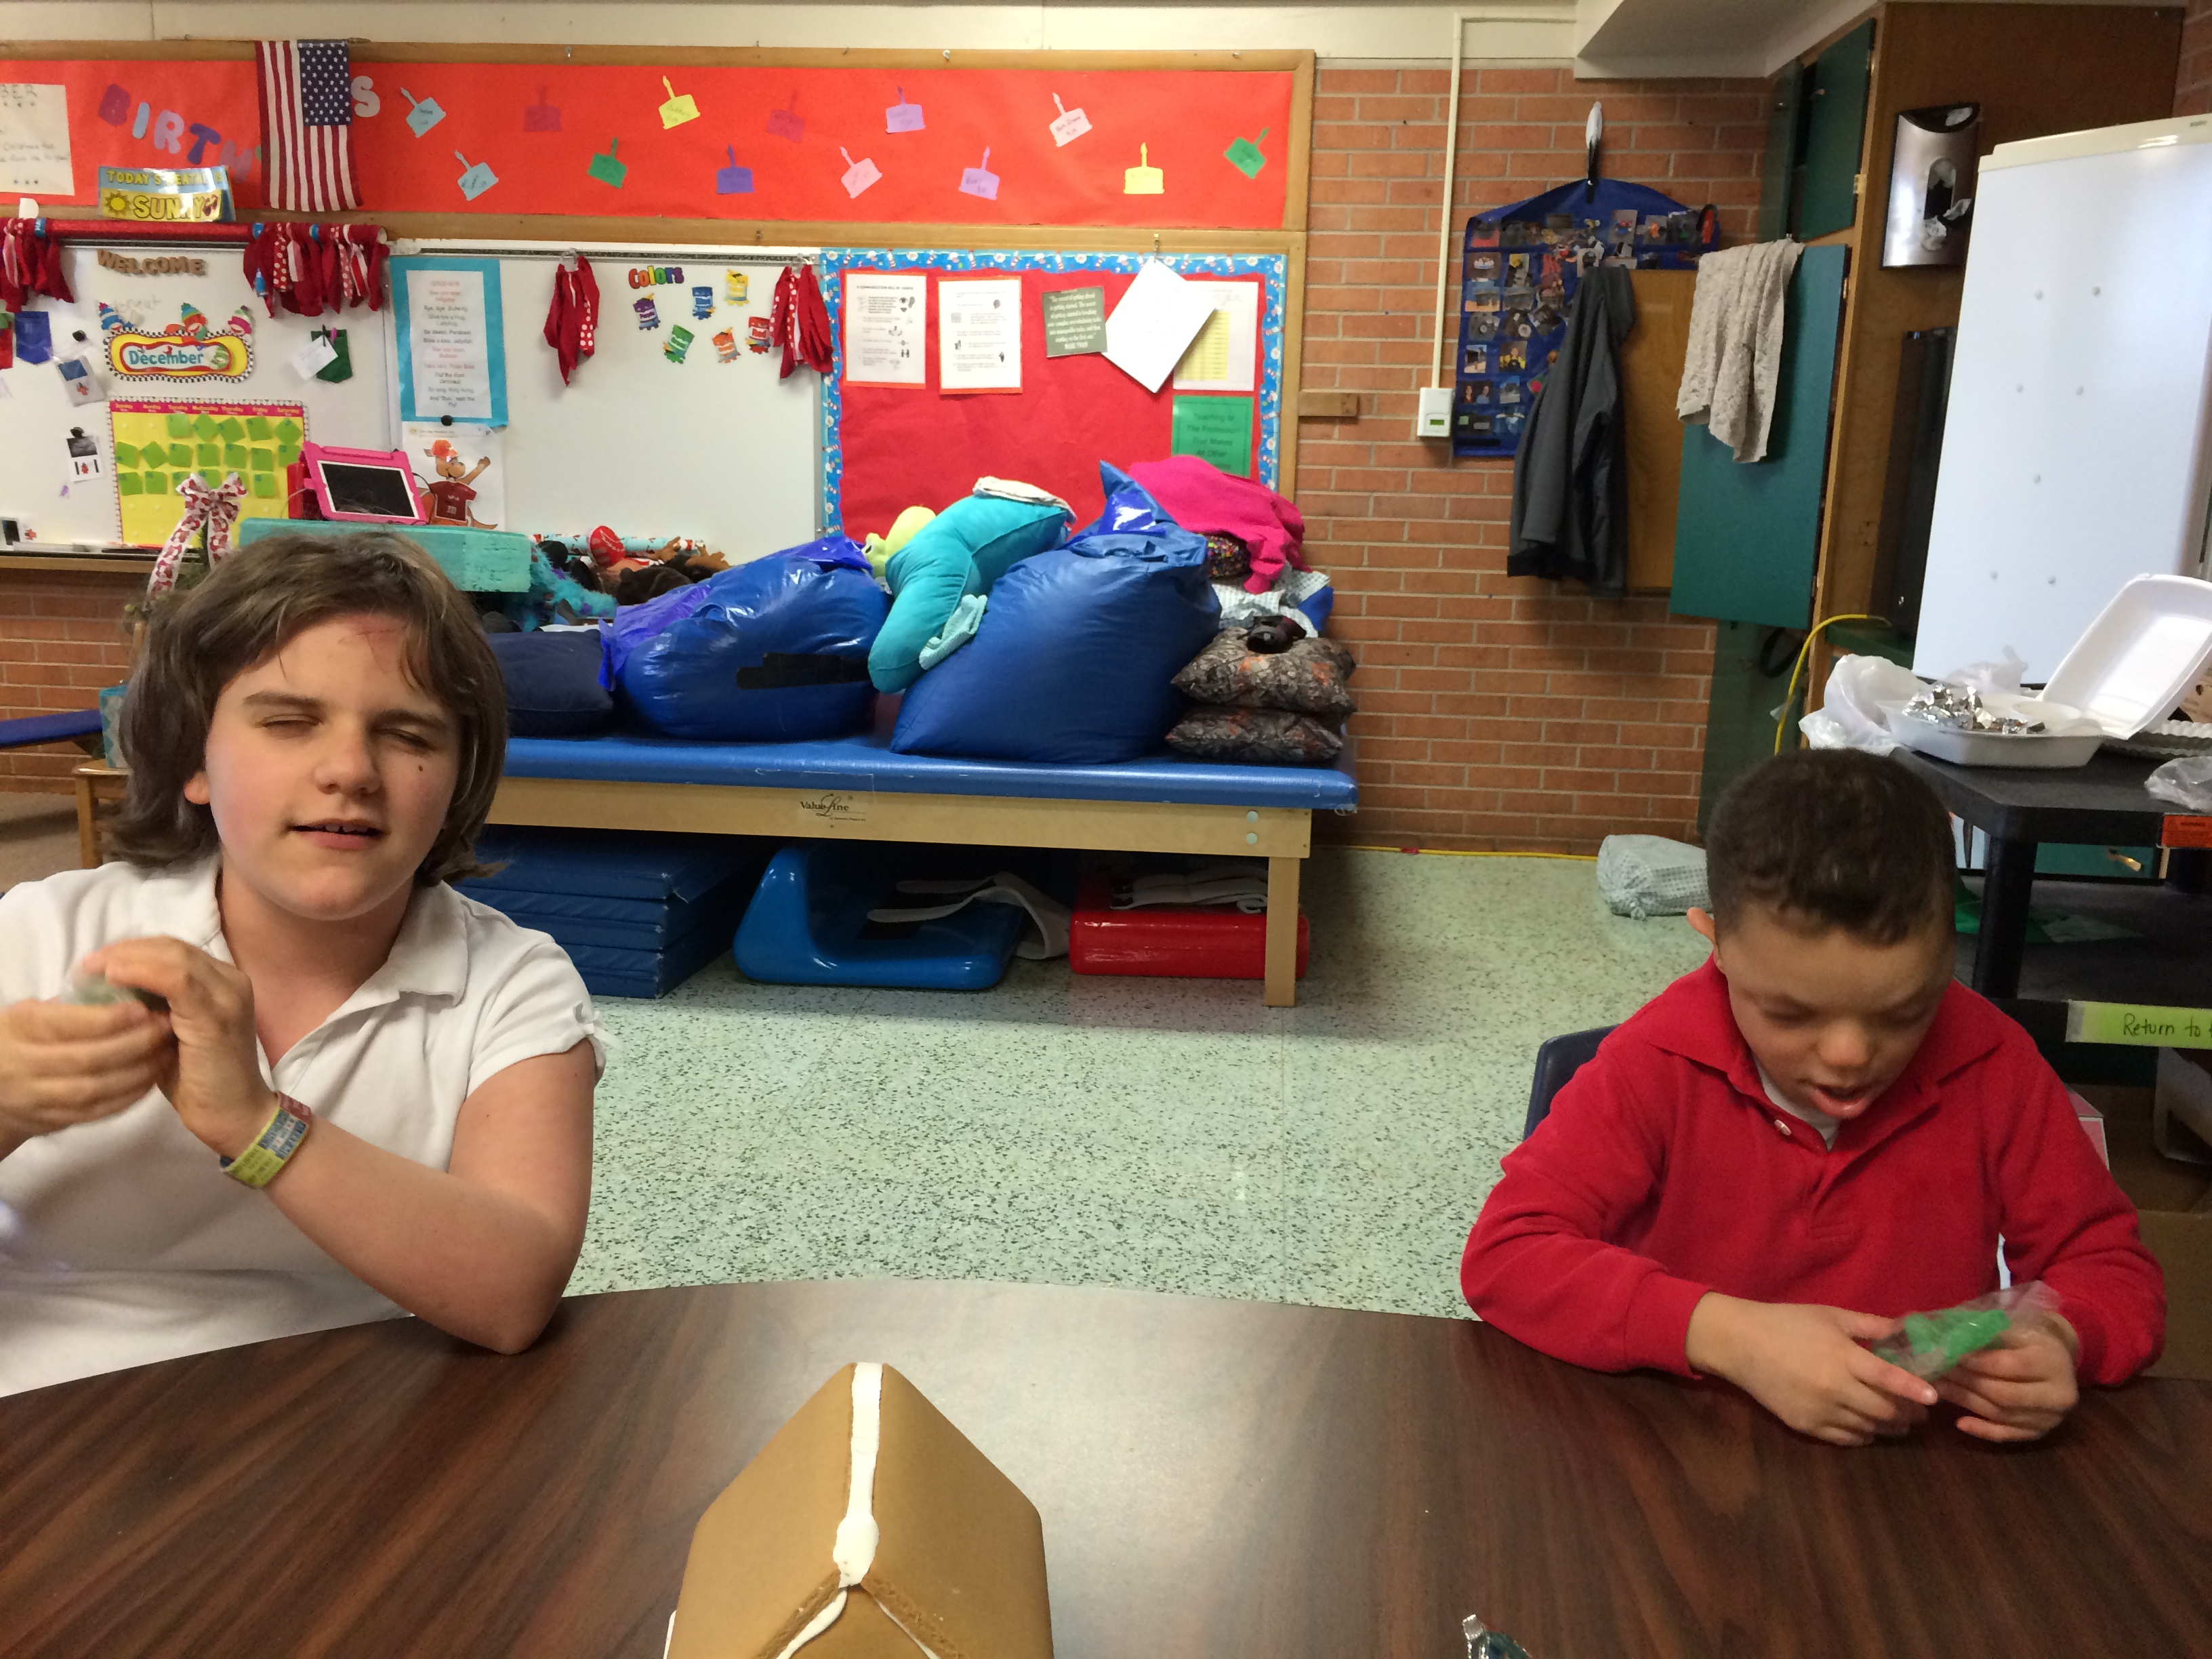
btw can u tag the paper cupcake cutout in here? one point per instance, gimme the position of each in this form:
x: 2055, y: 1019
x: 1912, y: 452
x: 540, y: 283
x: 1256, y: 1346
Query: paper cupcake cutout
x: 541, y: 117
x: 702, y: 301
x: 858, y: 175
x: 734, y: 181
x: 902, y: 117
x: 425, y: 115
x: 679, y: 109
x: 785, y: 123
x: 648, y: 315
x: 1069, y: 124
x: 476, y: 179
x: 606, y: 169
x: 1144, y: 179
x: 981, y: 180
x: 678, y: 343
x: 1246, y: 156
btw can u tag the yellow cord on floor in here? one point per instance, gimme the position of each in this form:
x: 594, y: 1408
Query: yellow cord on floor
x: 1804, y: 652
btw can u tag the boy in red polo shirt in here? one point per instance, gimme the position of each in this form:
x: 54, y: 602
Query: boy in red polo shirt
x: 1814, y: 1133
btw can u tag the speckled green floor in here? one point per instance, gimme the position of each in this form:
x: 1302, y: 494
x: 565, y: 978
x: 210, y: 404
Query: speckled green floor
x: 1167, y: 1133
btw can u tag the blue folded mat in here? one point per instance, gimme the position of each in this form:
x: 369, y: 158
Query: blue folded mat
x: 625, y: 924
x: 808, y: 925
x: 609, y: 863
x: 636, y: 914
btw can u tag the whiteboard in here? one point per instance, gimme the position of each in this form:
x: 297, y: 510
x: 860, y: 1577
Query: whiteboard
x: 2075, y: 443
x: 36, y: 415
x: 725, y: 452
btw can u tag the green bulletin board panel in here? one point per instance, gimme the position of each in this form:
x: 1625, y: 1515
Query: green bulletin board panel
x: 1747, y: 534
x: 1835, y: 134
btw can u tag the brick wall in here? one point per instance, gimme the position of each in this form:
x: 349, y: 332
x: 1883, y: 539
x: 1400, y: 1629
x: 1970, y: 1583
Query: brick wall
x: 2193, y: 86
x: 61, y: 640
x: 1494, y: 712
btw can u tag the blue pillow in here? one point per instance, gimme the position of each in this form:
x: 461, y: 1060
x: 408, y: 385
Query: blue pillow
x: 553, y: 688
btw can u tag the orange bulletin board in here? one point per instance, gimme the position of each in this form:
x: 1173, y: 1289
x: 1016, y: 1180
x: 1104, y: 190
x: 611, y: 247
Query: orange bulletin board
x: 759, y: 140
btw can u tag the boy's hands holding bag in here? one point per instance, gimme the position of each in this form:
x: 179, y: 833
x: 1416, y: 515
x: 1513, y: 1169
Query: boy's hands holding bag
x: 1805, y: 1364
x: 212, y: 1073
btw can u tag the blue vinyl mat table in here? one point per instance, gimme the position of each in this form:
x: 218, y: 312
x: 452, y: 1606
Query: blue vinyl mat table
x: 857, y: 789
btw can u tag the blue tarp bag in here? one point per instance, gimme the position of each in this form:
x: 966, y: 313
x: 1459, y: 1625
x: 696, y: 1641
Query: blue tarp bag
x: 1073, y: 661
x: 775, y: 651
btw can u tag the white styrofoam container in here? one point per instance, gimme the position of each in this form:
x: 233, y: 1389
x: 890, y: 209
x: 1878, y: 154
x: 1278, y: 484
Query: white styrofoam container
x: 1963, y: 748
x: 2134, y: 663
x: 2141, y: 656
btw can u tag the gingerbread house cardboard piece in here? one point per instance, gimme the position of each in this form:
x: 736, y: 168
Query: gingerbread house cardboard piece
x: 867, y: 1527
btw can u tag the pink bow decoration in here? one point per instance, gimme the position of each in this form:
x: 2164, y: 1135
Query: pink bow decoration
x: 217, y: 509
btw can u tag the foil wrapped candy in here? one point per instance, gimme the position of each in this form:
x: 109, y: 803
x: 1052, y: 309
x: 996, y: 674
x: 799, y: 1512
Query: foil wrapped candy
x: 1961, y: 705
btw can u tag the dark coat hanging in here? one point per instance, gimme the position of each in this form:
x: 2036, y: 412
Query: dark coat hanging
x: 1571, y: 477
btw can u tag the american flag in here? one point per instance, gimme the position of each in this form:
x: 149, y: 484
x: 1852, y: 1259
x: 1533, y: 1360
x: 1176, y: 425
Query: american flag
x: 307, y: 124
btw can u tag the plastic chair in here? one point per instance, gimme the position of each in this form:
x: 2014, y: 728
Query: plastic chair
x: 1558, y: 1059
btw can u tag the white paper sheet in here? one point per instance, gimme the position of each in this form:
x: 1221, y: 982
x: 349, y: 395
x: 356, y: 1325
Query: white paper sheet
x: 1226, y: 355
x: 450, y: 341
x: 979, y: 335
x: 1158, y: 317
x: 886, y: 328
x: 34, y: 140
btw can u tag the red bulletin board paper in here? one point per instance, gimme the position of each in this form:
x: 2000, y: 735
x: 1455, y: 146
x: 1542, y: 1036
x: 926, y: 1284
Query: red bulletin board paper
x: 198, y: 113
x: 1189, y: 119
x: 918, y: 445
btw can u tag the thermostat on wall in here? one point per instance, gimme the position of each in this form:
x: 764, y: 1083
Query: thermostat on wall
x: 1434, y: 418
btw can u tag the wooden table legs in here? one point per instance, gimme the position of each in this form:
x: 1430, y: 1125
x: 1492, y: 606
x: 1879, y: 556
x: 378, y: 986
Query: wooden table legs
x: 1282, y: 959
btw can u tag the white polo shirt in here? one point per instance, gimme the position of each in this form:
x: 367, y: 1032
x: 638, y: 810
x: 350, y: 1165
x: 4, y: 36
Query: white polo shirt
x: 122, y: 1242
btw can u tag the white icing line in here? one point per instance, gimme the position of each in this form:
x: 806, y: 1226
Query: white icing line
x: 854, y: 1550
x: 857, y: 1534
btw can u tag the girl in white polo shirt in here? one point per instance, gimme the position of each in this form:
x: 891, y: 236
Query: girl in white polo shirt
x: 366, y: 1095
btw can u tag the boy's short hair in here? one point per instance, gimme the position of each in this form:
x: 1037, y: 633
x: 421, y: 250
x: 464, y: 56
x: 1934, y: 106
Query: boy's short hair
x: 249, y: 607
x: 1836, y: 838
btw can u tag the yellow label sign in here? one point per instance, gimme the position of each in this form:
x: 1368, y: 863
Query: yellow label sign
x: 2148, y: 1027
x: 139, y: 355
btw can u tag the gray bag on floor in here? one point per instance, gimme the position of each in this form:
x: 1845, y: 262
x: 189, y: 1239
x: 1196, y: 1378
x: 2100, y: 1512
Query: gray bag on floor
x: 1645, y: 876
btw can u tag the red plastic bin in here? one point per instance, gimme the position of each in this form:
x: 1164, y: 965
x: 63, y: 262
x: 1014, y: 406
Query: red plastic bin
x: 1171, y: 941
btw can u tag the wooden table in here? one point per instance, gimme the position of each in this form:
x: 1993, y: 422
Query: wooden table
x: 1216, y: 1479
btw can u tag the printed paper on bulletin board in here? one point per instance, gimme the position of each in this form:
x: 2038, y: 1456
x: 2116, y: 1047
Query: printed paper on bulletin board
x: 886, y: 450
x: 157, y: 442
x: 153, y: 114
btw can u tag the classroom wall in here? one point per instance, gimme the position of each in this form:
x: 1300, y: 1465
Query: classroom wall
x: 1495, y: 713
x: 61, y: 637
x: 2192, y: 89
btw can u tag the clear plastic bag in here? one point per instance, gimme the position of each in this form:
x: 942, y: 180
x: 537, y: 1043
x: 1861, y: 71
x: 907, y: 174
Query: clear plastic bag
x: 1483, y: 1643
x: 1849, y: 715
x: 1932, y: 1344
x: 2185, y: 782
x: 1645, y: 876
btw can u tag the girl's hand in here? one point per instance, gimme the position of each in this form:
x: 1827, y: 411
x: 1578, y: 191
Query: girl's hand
x: 213, y: 1073
x: 62, y: 1065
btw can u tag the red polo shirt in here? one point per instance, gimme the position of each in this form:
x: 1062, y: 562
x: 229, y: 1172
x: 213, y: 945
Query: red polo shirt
x: 1663, y: 1172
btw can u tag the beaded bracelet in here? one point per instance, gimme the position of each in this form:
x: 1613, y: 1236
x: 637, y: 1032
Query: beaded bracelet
x: 288, y: 1125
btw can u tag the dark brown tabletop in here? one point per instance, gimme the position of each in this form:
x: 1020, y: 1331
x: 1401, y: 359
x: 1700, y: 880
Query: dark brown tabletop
x: 1216, y: 1479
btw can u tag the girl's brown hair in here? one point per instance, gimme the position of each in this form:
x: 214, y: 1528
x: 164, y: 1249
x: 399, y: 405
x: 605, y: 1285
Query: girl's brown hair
x: 250, y: 607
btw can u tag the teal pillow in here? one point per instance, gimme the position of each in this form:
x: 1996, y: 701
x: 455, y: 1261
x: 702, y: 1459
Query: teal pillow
x: 963, y: 550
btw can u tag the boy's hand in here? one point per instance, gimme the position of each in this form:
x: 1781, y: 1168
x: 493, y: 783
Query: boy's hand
x: 213, y: 1075
x: 2022, y: 1389
x: 61, y: 1064
x: 1805, y: 1364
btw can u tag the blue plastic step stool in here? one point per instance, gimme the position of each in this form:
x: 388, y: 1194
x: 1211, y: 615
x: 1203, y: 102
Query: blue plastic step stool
x: 808, y: 925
